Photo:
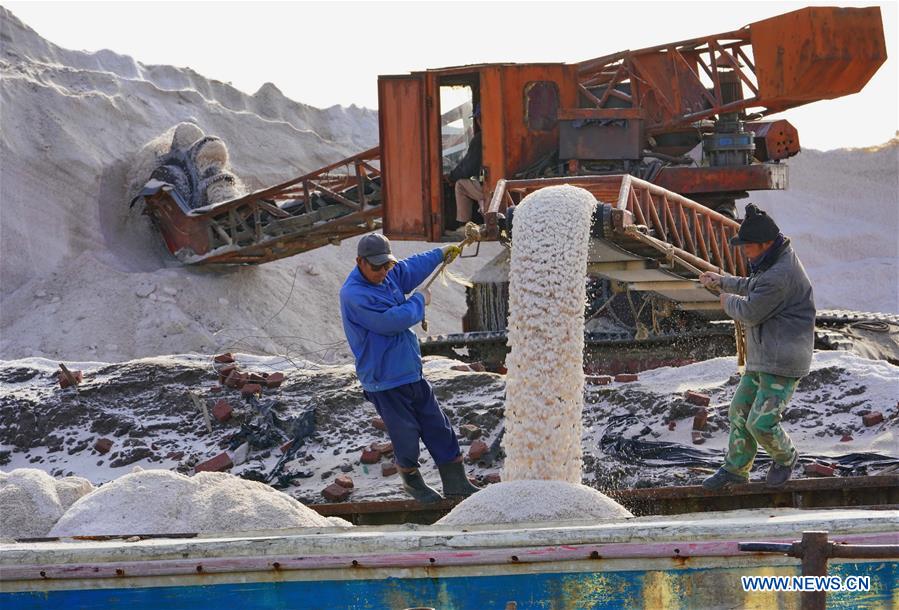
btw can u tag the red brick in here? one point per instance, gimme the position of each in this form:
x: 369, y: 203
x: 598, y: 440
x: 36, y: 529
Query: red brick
x: 103, y: 445
x: 344, y: 481
x: 598, y: 379
x: 219, y: 463
x: 370, y: 456
x: 478, y: 367
x: 250, y: 389
x: 626, y: 377
x: 461, y: 367
x: 226, y: 357
x: 215, y: 389
x: 497, y: 368
x: 672, y: 425
x: 383, y: 448
x: 388, y: 469
x: 175, y: 455
x: 64, y: 381
x: 274, y: 380
x: 697, y: 398
x: 872, y: 419
x: 698, y: 438
x: 222, y: 411
x: 470, y: 431
x: 286, y: 446
x: 493, y: 477
x: 817, y: 469
x: 378, y: 423
x: 477, y: 450
x: 236, y: 379
x: 335, y: 493
x: 845, y: 438
x: 225, y: 372
x: 700, y: 418
x: 256, y: 378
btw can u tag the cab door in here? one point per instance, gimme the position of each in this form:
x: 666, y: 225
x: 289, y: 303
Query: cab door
x: 402, y: 120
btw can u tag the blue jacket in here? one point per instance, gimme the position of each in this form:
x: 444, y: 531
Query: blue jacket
x: 377, y: 320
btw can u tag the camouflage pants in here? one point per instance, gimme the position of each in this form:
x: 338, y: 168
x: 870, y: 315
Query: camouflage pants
x: 755, y: 414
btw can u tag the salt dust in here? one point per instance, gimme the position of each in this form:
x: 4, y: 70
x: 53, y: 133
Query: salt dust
x: 164, y: 502
x: 534, y: 501
x: 545, y: 380
x: 31, y: 501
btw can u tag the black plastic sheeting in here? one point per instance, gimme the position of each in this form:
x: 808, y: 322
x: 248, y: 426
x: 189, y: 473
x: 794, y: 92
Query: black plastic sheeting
x: 658, y: 454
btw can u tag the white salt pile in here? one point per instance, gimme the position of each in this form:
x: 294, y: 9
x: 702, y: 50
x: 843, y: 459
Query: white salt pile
x: 163, y: 502
x: 31, y: 501
x: 545, y: 380
x: 533, y: 501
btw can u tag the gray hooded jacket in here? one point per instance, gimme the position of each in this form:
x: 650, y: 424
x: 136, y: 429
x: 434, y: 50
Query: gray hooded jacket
x: 777, y: 308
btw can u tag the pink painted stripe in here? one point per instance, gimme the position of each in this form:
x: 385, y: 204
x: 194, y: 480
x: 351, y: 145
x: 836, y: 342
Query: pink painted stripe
x: 500, y: 556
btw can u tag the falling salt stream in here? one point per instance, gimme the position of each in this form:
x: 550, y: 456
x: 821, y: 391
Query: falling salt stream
x: 545, y: 380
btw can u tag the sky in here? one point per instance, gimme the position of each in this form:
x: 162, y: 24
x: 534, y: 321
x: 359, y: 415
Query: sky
x: 327, y: 53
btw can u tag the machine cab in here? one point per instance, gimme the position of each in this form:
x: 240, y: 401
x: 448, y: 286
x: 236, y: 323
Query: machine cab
x: 427, y: 126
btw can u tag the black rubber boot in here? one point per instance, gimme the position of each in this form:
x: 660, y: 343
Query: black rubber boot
x: 722, y: 478
x: 778, y: 474
x: 455, y: 481
x: 415, y: 486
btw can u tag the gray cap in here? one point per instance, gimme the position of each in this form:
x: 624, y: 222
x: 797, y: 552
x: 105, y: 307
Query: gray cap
x: 375, y: 248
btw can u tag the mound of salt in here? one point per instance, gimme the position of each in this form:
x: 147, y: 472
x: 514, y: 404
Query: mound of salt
x: 532, y: 502
x: 31, y: 501
x: 163, y: 502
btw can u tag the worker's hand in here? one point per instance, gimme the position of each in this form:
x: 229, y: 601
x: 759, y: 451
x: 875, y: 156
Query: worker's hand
x: 451, y: 252
x: 426, y: 293
x: 710, y: 279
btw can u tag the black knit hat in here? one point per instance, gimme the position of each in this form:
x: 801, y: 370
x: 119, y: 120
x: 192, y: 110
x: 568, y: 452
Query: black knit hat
x: 757, y: 228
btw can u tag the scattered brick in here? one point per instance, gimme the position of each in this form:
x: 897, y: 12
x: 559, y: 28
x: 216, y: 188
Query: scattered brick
x: 383, y: 448
x: 598, y: 379
x: 335, y: 493
x: 175, y: 455
x: 478, y: 367
x: 370, y: 456
x: 470, y: 431
x: 388, y: 469
x: 697, y: 398
x: 225, y: 372
x: 215, y: 389
x: 493, y: 477
x: 226, y: 357
x: 626, y: 377
x: 498, y: 369
x: 64, y: 382
x: 872, y: 419
x: 286, y: 446
x: 700, y: 418
x: 274, y: 380
x: 103, y: 445
x: 817, y: 469
x: 259, y: 378
x: 477, y: 450
x: 222, y: 411
x: 250, y: 389
x: 672, y: 425
x: 845, y: 438
x: 344, y: 481
x: 219, y: 463
x: 461, y: 367
x: 378, y: 423
x: 698, y: 438
x: 236, y: 379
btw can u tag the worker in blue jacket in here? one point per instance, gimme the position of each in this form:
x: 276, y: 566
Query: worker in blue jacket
x: 378, y: 321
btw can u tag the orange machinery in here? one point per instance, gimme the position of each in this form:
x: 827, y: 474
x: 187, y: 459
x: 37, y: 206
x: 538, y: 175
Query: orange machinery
x: 634, y: 112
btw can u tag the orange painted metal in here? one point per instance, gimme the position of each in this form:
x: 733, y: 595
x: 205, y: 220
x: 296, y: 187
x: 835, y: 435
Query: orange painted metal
x: 404, y: 142
x: 757, y: 177
x: 816, y: 53
x: 774, y: 140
